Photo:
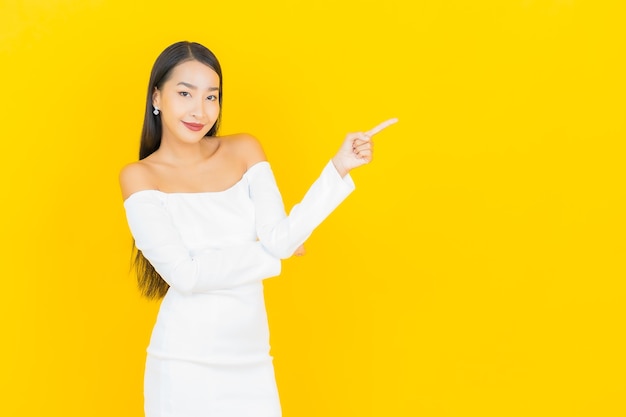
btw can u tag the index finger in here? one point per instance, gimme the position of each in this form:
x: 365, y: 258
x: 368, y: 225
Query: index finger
x: 381, y: 126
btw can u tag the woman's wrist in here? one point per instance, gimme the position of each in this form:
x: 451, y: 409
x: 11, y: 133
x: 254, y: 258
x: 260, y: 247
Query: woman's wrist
x: 340, y: 168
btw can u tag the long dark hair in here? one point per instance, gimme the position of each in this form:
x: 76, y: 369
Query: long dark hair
x: 150, y: 283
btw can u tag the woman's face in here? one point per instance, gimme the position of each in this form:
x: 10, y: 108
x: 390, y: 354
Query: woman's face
x: 188, y: 102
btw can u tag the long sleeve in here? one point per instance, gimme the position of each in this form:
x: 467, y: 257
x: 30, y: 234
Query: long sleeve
x: 281, y: 234
x: 160, y: 242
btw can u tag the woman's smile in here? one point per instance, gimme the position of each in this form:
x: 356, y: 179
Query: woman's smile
x: 194, y: 126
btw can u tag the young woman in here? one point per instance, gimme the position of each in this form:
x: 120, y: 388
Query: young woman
x: 209, y: 225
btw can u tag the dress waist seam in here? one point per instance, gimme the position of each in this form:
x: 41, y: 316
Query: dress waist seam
x: 222, y: 360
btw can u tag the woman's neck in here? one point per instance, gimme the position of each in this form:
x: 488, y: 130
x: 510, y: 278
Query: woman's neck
x: 181, y: 153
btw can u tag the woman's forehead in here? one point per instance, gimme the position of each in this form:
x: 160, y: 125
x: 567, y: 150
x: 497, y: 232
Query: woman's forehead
x: 195, y: 73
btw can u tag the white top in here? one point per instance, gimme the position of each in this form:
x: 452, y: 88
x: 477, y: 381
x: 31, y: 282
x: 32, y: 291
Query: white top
x: 214, y: 249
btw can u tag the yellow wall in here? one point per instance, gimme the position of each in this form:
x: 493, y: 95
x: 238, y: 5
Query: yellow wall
x: 477, y: 271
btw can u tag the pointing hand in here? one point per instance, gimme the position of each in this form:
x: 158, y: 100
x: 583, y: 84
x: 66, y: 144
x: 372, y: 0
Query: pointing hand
x: 357, y: 149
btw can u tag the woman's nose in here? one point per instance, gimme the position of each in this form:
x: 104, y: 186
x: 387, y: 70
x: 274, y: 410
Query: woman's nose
x: 198, y: 109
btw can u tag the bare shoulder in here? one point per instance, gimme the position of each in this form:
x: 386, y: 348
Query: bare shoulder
x: 245, y: 147
x: 136, y: 176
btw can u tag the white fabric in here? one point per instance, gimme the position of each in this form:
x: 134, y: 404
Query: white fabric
x: 209, y: 350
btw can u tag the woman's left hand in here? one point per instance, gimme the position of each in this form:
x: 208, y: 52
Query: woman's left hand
x: 357, y: 149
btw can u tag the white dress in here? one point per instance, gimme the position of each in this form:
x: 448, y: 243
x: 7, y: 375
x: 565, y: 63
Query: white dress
x: 209, y: 351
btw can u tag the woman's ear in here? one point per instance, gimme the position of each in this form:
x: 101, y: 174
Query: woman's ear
x: 156, y: 98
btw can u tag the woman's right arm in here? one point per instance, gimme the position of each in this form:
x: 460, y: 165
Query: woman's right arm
x: 161, y: 244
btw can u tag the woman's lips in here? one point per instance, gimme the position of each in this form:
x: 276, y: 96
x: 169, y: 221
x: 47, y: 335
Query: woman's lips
x: 193, y: 126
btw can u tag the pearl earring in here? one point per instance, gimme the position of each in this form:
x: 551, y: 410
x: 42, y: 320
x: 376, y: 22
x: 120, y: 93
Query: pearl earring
x: 155, y: 111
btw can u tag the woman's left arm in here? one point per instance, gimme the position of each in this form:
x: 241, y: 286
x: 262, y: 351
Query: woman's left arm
x: 280, y: 234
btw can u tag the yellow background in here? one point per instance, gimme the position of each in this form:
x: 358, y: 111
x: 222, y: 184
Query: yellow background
x: 478, y: 270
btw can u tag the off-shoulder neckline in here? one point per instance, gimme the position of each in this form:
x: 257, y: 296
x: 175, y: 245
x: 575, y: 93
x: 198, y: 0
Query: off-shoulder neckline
x: 191, y: 193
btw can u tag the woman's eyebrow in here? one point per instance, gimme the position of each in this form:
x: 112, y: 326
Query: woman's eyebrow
x: 193, y: 87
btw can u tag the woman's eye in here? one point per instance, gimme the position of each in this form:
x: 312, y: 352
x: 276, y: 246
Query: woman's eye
x: 184, y: 93
x: 212, y: 98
